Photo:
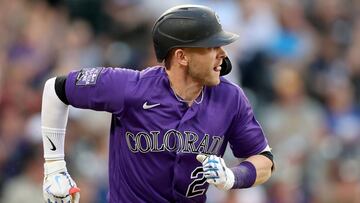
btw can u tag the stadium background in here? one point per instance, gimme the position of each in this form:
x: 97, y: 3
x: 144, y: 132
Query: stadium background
x: 298, y: 61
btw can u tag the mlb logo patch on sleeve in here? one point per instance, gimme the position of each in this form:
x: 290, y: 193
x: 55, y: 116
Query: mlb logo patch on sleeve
x: 88, y: 76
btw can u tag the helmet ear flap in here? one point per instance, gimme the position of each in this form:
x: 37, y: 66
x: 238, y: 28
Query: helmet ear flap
x: 225, y: 66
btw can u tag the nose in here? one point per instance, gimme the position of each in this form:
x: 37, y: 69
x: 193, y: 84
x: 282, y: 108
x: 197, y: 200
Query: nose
x: 221, y: 52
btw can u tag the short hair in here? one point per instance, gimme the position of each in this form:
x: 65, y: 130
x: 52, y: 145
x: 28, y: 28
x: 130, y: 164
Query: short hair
x: 168, y: 58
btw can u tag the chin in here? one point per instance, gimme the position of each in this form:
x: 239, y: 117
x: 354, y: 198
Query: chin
x: 213, y: 82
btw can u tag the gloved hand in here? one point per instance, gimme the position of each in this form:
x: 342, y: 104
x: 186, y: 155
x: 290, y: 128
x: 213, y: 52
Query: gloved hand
x: 216, y: 172
x: 58, y: 185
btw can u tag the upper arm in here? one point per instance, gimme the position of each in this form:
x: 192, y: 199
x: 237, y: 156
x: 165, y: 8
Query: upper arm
x: 246, y: 136
x: 101, y: 89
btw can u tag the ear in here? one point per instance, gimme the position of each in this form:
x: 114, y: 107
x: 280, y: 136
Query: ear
x: 181, y: 57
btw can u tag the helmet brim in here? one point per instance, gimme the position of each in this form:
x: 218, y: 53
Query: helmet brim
x: 219, y: 39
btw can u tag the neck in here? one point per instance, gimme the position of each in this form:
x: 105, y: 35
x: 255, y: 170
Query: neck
x: 183, y: 85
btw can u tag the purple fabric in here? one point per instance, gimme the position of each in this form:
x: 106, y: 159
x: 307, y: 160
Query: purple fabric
x: 154, y: 138
x: 245, y: 175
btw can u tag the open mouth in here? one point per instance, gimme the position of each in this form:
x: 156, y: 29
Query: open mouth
x: 217, y: 68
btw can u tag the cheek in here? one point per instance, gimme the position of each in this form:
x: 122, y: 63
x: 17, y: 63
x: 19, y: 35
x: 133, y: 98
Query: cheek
x: 202, y: 65
x: 198, y: 70
x: 206, y: 63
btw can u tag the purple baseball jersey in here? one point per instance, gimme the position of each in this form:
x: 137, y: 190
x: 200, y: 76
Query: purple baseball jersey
x: 154, y: 137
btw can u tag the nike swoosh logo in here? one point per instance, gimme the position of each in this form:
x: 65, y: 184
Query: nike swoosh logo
x: 149, y: 106
x: 52, y: 144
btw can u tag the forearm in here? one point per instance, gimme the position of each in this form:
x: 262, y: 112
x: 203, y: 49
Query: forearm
x: 58, y: 185
x: 263, y: 167
x: 54, y: 116
x: 253, y: 171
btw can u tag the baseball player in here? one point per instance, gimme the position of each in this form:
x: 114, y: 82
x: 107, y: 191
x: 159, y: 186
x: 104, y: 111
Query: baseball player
x: 170, y: 125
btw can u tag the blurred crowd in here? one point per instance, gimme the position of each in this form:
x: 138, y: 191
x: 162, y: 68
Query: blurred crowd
x: 297, y: 60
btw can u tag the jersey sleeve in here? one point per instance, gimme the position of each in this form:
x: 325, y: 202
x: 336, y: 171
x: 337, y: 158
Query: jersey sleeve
x: 100, y: 89
x: 246, y: 136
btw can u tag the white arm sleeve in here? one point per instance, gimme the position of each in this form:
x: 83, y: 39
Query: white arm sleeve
x: 54, y: 116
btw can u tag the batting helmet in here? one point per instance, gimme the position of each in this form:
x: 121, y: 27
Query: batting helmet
x: 190, y: 26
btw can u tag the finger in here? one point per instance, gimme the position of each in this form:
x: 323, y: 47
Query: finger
x: 210, y: 168
x: 76, y: 197
x: 211, y: 176
x: 49, y: 200
x: 201, y: 157
x: 56, y: 200
x: 213, y: 161
x: 211, y: 181
x: 49, y: 197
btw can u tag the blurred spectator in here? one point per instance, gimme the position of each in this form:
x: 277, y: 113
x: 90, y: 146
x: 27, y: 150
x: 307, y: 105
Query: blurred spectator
x: 30, y: 180
x: 353, y: 59
x: 258, y: 29
x: 291, y: 121
x: 343, y: 116
x: 78, y: 48
x: 295, y: 40
x: 338, y: 156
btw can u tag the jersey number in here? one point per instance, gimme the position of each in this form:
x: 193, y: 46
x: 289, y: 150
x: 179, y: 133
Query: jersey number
x: 199, y: 180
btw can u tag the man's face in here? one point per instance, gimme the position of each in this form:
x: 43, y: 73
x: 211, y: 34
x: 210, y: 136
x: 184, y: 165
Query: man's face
x: 204, y: 64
